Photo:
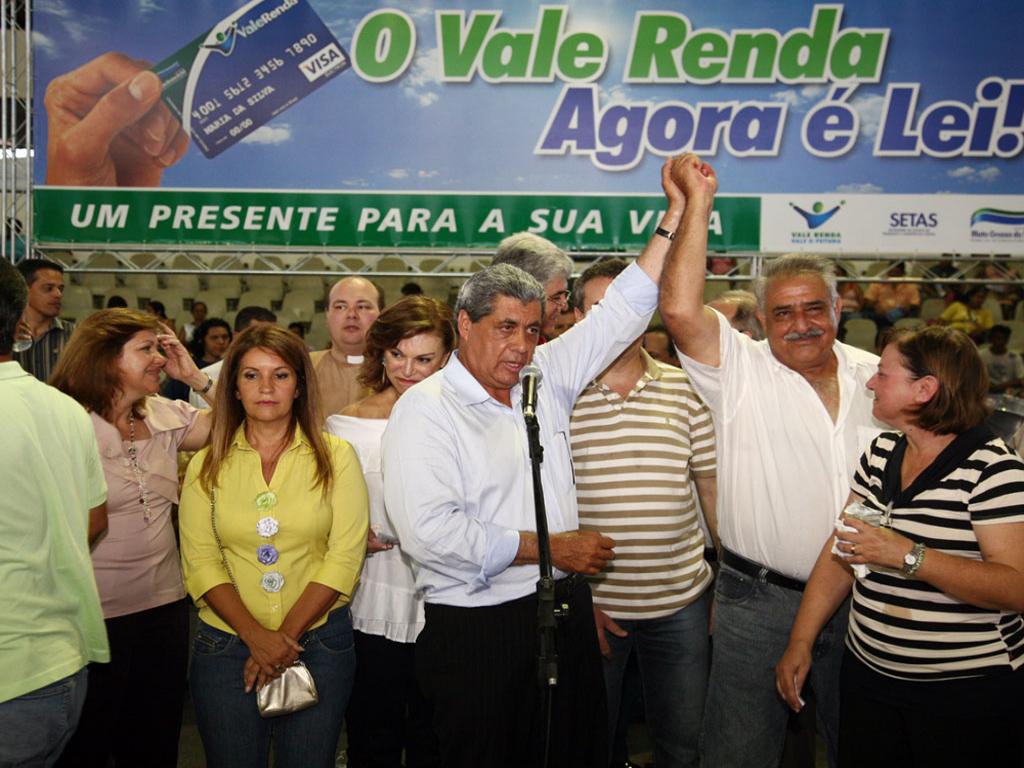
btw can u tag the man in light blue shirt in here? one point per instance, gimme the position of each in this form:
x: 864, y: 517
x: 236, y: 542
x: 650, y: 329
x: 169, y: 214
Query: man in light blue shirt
x: 458, y: 489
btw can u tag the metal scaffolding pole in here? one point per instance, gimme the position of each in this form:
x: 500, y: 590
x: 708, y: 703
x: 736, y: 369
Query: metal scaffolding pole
x: 15, y: 128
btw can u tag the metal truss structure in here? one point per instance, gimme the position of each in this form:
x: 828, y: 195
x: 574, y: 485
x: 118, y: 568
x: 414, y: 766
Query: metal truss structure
x: 450, y: 264
x: 15, y: 127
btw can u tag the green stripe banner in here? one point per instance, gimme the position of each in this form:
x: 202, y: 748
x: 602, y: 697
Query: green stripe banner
x: 298, y: 220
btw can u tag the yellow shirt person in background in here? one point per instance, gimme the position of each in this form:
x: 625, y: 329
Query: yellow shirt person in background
x: 274, y: 517
x: 968, y: 315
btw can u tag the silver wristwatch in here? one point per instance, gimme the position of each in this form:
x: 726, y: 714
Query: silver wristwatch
x: 913, y: 559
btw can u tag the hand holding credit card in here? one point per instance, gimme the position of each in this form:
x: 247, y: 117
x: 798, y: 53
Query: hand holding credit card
x: 246, y: 70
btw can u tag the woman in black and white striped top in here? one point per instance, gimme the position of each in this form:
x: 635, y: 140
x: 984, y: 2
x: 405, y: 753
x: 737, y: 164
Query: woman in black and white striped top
x: 934, y: 670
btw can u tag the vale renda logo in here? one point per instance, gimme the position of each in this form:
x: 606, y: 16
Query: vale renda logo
x: 818, y: 215
x: 814, y: 233
x: 224, y: 41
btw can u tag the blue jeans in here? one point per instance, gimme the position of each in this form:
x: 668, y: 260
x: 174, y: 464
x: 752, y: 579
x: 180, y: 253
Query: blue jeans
x: 36, y: 726
x: 233, y: 733
x: 672, y: 653
x: 745, y: 718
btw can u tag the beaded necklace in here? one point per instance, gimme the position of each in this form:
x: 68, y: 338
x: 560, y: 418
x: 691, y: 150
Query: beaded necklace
x: 133, y: 458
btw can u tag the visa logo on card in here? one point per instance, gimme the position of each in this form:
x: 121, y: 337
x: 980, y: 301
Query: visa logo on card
x: 323, y: 62
x: 246, y: 70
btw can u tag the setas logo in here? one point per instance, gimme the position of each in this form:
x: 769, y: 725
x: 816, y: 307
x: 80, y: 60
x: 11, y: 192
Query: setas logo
x: 912, y: 223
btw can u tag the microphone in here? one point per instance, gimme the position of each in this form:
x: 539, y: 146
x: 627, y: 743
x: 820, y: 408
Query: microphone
x: 530, y: 377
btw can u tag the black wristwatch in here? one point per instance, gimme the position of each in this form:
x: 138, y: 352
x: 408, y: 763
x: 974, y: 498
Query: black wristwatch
x: 208, y: 387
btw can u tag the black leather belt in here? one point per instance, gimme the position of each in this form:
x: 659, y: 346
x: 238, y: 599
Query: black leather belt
x: 758, y: 571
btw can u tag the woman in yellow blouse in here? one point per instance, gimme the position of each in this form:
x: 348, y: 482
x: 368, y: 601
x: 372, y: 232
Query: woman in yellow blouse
x: 969, y: 315
x: 274, y: 519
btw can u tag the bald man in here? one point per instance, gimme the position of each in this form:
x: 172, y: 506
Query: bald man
x: 352, y: 305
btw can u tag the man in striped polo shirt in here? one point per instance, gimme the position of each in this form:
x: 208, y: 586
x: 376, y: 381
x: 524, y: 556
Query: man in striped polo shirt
x: 45, y: 281
x: 639, y: 433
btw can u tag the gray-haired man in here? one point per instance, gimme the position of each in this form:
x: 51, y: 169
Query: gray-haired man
x: 457, y: 487
x: 792, y: 417
x: 548, y: 265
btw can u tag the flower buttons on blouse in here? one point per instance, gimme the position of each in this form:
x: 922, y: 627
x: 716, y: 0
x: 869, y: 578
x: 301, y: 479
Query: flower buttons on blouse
x: 272, y: 582
x: 266, y: 554
x: 266, y: 527
x: 266, y: 500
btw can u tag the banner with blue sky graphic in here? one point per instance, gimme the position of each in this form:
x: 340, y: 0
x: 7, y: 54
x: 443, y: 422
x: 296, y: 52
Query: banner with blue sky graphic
x: 909, y: 116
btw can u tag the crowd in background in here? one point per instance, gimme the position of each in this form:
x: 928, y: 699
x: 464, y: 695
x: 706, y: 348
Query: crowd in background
x: 279, y: 533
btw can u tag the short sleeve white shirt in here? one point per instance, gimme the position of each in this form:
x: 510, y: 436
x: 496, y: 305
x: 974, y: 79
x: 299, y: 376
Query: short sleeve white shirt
x: 784, y: 468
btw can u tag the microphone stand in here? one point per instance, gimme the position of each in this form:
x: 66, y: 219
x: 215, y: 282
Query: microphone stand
x: 547, y: 661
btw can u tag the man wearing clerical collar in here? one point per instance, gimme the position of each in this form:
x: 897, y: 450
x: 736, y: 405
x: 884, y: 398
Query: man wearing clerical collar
x: 352, y: 305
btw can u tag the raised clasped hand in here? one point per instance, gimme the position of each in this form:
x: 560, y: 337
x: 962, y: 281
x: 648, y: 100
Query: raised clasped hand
x: 695, y: 178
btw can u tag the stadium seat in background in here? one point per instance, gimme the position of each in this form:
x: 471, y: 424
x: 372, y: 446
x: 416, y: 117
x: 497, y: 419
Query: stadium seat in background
x: 297, y: 305
x: 932, y: 308
x: 994, y: 307
x: 307, y: 284
x: 78, y: 302
x: 318, y: 337
x: 1016, y: 327
x: 228, y: 286
x: 173, y: 301
x: 714, y: 288
x: 216, y: 304
x: 911, y: 323
x: 256, y: 299
x: 99, y: 283
x: 861, y: 333
x: 269, y: 285
x: 187, y: 283
x: 145, y: 284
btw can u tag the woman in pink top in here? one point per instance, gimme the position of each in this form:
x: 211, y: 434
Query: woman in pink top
x: 112, y: 366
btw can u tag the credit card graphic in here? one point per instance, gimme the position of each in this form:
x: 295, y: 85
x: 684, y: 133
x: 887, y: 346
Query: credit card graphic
x: 249, y: 68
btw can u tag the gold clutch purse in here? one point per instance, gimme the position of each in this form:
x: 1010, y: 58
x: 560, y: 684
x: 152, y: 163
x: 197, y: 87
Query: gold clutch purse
x: 293, y: 691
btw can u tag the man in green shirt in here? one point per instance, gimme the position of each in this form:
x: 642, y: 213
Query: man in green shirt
x: 52, y: 506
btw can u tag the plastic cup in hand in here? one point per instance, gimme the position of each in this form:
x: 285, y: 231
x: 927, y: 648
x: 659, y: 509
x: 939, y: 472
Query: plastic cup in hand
x: 865, y: 514
x: 22, y: 338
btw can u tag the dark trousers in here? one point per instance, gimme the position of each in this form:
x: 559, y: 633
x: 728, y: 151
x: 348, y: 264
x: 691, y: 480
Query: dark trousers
x: 133, y: 704
x: 478, y: 668
x: 387, y: 712
x: 932, y: 724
